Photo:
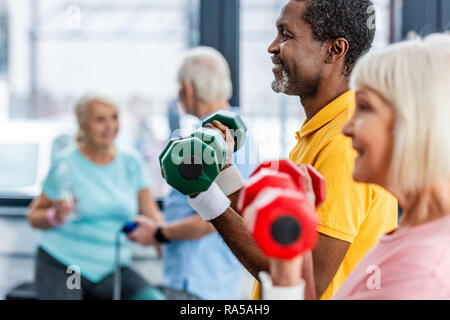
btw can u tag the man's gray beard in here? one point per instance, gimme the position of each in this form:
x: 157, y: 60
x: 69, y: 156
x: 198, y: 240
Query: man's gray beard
x: 281, y: 86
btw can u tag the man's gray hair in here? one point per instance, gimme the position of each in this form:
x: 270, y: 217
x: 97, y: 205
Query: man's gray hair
x: 209, y: 73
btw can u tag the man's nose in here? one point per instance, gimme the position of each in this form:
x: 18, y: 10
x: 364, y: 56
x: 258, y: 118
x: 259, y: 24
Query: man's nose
x: 274, y: 47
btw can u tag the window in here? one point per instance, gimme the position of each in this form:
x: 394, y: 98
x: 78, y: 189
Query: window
x: 19, y: 168
x: 128, y: 50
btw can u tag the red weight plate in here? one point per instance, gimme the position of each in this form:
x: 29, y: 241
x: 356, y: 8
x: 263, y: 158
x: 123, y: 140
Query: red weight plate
x: 263, y: 179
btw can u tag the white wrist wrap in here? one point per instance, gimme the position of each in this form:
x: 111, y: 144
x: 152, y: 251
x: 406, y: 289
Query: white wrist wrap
x: 211, y: 203
x: 230, y: 180
x: 270, y: 292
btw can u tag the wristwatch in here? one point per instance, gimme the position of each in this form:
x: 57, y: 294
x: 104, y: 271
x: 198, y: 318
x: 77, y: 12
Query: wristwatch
x: 159, y: 236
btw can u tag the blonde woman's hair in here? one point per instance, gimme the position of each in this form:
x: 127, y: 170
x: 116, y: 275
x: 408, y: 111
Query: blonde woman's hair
x: 209, y: 73
x: 81, y: 109
x: 414, y: 76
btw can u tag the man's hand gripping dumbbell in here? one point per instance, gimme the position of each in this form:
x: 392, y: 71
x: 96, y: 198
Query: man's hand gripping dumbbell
x: 192, y: 164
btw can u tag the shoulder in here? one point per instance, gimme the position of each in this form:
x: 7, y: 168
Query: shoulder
x: 425, y: 248
x: 129, y: 155
x: 336, y: 153
x: 67, y: 156
x: 132, y: 160
x: 135, y: 167
x: 338, y: 143
x: 408, y: 268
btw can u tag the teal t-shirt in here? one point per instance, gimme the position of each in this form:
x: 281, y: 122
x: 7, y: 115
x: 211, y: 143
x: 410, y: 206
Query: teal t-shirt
x: 107, y: 196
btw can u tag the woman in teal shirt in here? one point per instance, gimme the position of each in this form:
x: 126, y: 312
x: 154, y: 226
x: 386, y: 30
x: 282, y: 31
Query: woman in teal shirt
x: 109, y: 187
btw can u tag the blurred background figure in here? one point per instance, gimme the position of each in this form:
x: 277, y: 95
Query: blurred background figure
x: 174, y: 115
x: 88, y: 195
x: 196, y: 261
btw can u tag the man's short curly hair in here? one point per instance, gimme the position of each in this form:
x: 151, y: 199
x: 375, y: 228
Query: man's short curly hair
x: 349, y: 19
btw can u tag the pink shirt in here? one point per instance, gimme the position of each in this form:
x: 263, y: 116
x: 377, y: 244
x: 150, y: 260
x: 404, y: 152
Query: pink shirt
x: 408, y: 264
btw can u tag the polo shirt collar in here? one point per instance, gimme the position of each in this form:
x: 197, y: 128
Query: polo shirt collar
x: 327, y: 114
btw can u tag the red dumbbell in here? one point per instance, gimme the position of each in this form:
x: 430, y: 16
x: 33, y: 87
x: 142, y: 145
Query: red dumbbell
x: 287, y: 166
x: 282, y: 222
x: 264, y: 178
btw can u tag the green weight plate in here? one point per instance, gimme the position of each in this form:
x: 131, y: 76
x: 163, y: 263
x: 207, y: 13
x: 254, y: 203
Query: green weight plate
x: 232, y: 121
x: 184, y: 169
x: 215, y: 140
x: 168, y: 145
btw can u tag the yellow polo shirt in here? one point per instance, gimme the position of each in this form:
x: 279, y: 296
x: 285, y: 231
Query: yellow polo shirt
x: 353, y: 212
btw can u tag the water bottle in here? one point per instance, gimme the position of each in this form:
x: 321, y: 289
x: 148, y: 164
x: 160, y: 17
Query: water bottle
x: 65, y: 190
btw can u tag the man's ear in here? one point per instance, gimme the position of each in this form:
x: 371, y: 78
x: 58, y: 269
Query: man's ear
x: 188, y: 89
x: 337, y: 50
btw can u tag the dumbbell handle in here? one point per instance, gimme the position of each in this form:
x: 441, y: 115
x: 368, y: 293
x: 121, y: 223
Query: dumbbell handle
x: 129, y: 227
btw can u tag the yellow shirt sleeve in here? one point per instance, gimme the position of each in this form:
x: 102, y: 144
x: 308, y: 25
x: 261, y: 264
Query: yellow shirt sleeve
x: 342, y: 213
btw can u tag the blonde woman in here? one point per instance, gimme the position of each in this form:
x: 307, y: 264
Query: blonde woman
x: 109, y: 187
x: 400, y: 131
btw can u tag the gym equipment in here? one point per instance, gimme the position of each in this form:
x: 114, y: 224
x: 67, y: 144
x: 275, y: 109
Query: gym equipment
x: 129, y: 226
x: 283, y: 223
x: 191, y: 164
x: 215, y: 140
x: 209, y: 136
x: 233, y: 122
x: 291, y: 168
x: 279, y: 216
x: 264, y: 178
x: 168, y: 145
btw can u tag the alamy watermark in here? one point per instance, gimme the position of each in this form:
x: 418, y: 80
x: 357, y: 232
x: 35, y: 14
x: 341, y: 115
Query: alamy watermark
x: 73, y: 18
x: 371, y: 21
x: 248, y: 154
x: 374, y: 280
x: 74, y: 280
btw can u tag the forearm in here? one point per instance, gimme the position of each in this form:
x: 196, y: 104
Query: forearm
x: 234, y: 197
x: 233, y: 229
x: 148, y: 206
x: 38, y: 218
x: 327, y: 256
x: 214, y: 206
x: 190, y: 228
x: 154, y: 213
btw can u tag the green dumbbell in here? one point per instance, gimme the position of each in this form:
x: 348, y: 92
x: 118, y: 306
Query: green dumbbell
x: 188, y: 176
x: 190, y: 165
x: 232, y: 121
x: 215, y: 140
x: 211, y: 137
x: 168, y: 145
